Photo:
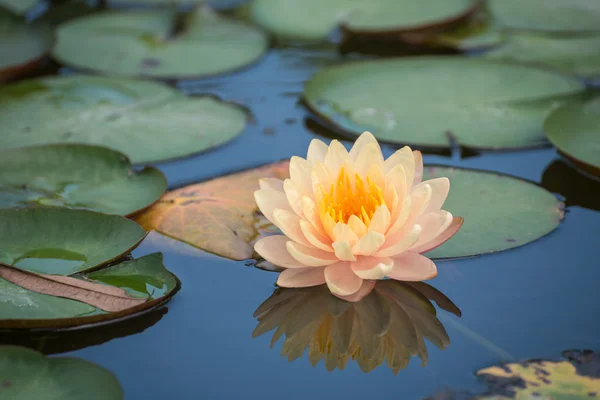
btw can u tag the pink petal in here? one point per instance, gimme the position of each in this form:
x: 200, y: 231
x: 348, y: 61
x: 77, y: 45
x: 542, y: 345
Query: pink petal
x: 300, y: 173
x: 368, y: 244
x: 289, y: 224
x: 433, y: 224
x: 303, y: 277
x: 392, y: 200
x: 442, y: 238
x: 311, y: 213
x: 315, y: 237
x: 358, y: 227
x: 341, y: 280
x: 268, y: 200
x: 274, y: 250
x: 397, y: 177
x: 363, y: 140
x: 343, y: 251
x: 271, y: 183
x: 375, y: 174
x: 328, y: 224
x: 310, y: 256
x: 293, y: 196
x: 369, y: 155
x: 440, y: 187
x: 404, y: 157
x: 381, y: 220
x: 366, y: 288
x: 399, y: 220
x: 413, y: 267
x: 321, y: 179
x: 336, y: 156
x: 316, y: 151
x: 418, y: 167
x: 372, y: 267
x: 343, y: 233
x: 399, y: 243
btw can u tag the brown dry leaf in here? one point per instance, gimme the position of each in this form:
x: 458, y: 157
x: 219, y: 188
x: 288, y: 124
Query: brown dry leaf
x: 104, y: 297
x: 219, y: 216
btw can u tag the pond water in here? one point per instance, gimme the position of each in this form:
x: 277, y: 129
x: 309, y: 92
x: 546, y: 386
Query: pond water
x: 530, y: 302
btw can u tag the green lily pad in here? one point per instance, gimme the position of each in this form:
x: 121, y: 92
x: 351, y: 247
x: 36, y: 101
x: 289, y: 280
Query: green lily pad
x: 28, y: 375
x: 22, y: 46
x: 487, y: 199
x: 147, y: 43
x: 315, y: 19
x: 575, y: 131
x: 548, y: 15
x: 144, y: 278
x: 426, y: 101
x: 60, y: 241
x: 147, y: 121
x: 578, y: 55
x: 77, y: 176
x: 19, y: 6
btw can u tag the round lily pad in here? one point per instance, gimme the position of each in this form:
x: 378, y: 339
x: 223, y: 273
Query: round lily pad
x: 315, y: 19
x: 158, y: 43
x: 145, y: 279
x: 147, y: 121
x: 60, y: 241
x: 28, y: 375
x: 500, y: 212
x: 432, y: 101
x: 77, y: 176
x: 578, y: 55
x: 22, y: 46
x: 548, y: 15
x: 575, y: 131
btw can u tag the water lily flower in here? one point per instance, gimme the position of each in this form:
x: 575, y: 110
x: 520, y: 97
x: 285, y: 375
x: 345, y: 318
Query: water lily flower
x: 349, y: 218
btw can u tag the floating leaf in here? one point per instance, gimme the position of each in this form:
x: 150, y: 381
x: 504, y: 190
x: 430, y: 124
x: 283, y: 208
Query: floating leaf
x: 23, y: 47
x: 145, y: 281
x: 548, y: 15
x: 578, y: 55
x: 28, y: 375
x: 575, y: 131
x: 388, y: 325
x: 147, y: 121
x: 58, y: 241
x: 219, y: 216
x: 487, y: 199
x: 578, y: 189
x: 315, y: 19
x: 425, y: 100
x: 77, y: 176
x: 19, y: 6
x: 145, y: 43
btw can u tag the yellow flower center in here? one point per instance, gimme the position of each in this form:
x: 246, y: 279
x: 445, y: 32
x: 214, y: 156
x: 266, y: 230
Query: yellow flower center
x: 346, y: 198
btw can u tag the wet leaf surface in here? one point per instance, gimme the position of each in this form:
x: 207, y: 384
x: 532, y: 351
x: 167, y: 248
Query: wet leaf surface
x: 51, y: 240
x: 135, y: 117
x: 77, y: 176
x: 219, y: 216
x: 28, y: 375
x: 148, y: 43
x: 432, y: 101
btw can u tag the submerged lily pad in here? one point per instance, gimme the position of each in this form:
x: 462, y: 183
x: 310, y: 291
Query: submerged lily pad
x: 59, y: 241
x: 578, y: 55
x: 28, y: 375
x: 575, y: 131
x: 518, y: 211
x: 315, y: 19
x: 149, y: 43
x: 22, y: 46
x: 427, y: 101
x: 77, y: 176
x: 219, y: 216
x: 145, y: 279
x: 147, y: 121
x: 19, y: 6
x: 548, y: 15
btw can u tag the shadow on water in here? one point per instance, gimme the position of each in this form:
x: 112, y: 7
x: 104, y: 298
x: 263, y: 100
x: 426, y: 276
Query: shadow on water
x: 389, y: 325
x: 577, y: 188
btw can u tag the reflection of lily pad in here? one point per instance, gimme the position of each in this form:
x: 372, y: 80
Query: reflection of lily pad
x: 548, y: 15
x: 388, y: 325
x: 424, y: 100
x: 219, y: 216
x: 145, y: 278
x: 52, y: 240
x: 77, y: 176
x: 487, y: 199
x: 28, y: 375
x: 22, y: 46
x: 147, y: 121
x: 145, y: 43
x: 575, y: 130
x: 578, y: 55
x: 315, y: 19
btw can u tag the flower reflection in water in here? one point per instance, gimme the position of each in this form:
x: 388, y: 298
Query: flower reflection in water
x: 390, y: 324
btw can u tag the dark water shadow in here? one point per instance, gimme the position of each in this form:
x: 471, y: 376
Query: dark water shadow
x: 577, y: 188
